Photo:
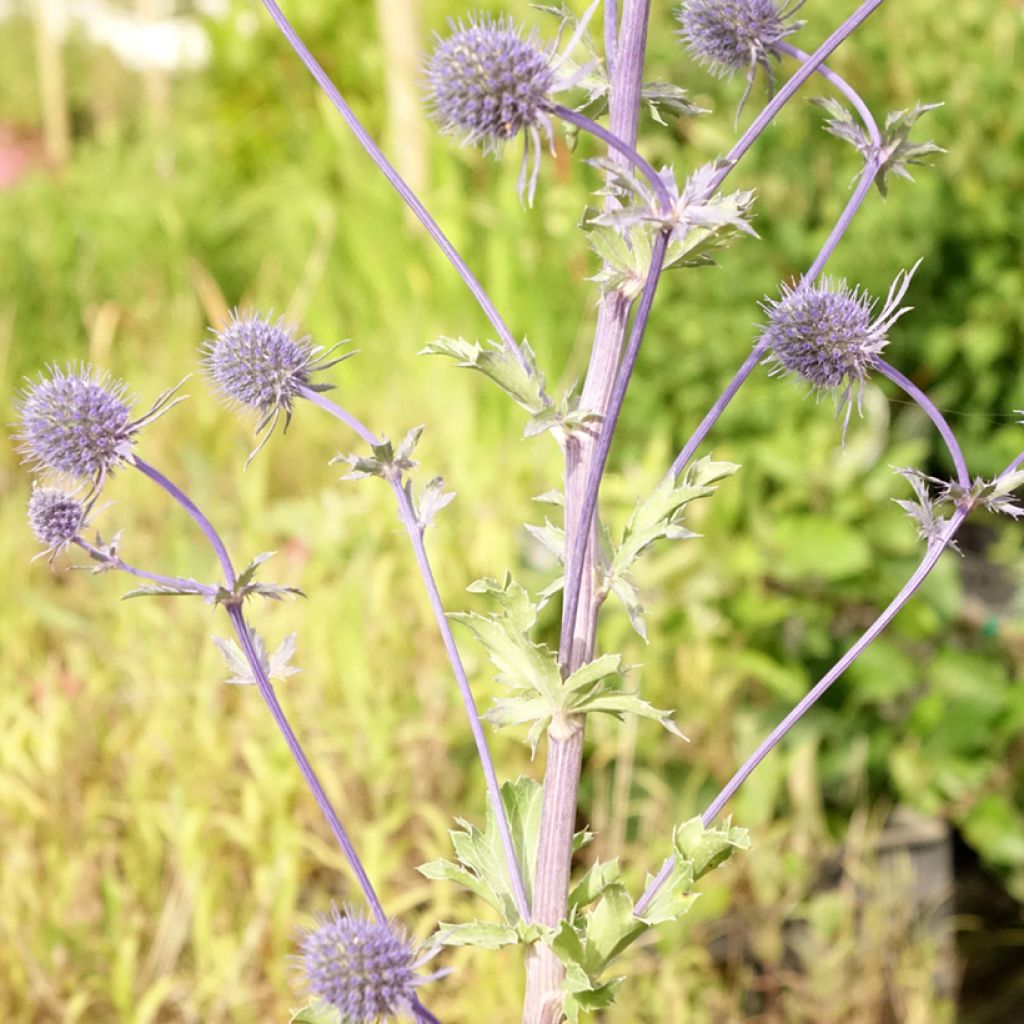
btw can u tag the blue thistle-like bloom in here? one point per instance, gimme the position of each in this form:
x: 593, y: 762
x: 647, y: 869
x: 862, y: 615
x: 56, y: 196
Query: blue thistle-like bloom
x: 56, y: 518
x: 263, y: 366
x: 825, y: 334
x: 727, y: 36
x: 488, y: 81
x: 363, y: 967
x: 78, y: 422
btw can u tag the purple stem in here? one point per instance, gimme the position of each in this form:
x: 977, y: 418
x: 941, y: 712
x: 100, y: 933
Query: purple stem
x: 574, y: 567
x: 611, y: 140
x: 192, y: 509
x: 740, y: 378
x: 312, y: 781
x: 771, y: 741
x: 408, y: 516
x: 963, y: 477
x: 783, y: 96
x: 611, y: 35
x: 164, y: 581
x: 266, y: 689
x: 396, y: 180
x: 842, y: 85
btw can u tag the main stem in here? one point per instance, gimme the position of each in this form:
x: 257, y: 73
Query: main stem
x: 544, y: 972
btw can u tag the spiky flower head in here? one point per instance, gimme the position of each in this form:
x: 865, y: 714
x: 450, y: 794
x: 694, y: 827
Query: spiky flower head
x: 260, y: 365
x: 488, y: 80
x: 363, y: 967
x: 727, y: 36
x: 78, y: 422
x: 56, y: 517
x: 825, y: 334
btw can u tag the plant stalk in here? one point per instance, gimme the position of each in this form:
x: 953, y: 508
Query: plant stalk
x: 544, y: 972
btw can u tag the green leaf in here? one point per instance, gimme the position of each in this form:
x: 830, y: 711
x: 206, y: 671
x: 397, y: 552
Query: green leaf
x: 598, y: 878
x: 526, y: 385
x: 481, y: 866
x: 482, y: 934
x: 703, y: 849
x: 317, y: 1013
x: 277, y: 665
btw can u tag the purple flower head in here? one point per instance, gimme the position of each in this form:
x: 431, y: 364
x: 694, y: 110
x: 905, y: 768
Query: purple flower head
x: 56, y: 518
x: 727, y: 36
x: 488, y: 81
x: 78, y: 422
x: 825, y: 333
x: 261, y: 365
x: 362, y: 967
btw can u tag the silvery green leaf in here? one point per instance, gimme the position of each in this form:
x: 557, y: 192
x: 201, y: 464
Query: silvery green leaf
x: 550, y: 536
x: 704, y: 848
x: 432, y: 501
x: 551, y: 498
x: 163, y: 590
x: 930, y: 525
x: 619, y: 704
x: 538, y: 423
x: 525, y: 385
x: 317, y: 1012
x: 585, y: 680
x: 665, y: 98
x: 554, y: 587
x: 843, y: 124
x: 481, y: 866
x: 624, y: 590
x: 277, y: 665
x: 898, y: 151
x: 402, y: 458
x: 481, y: 934
x: 245, y: 577
x: 598, y: 878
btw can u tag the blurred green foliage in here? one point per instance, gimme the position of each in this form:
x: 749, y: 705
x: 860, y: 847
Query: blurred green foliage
x: 159, y: 848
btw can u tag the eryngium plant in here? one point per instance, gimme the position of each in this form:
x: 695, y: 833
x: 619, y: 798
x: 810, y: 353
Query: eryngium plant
x: 489, y: 80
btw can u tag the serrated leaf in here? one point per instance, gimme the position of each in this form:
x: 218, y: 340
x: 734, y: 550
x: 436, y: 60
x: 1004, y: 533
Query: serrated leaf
x: 525, y: 385
x: 432, y: 501
x: 481, y: 866
x: 550, y: 537
x: 658, y: 517
x: 317, y: 1013
x: 585, y: 679
x: 598, y: 878
x: 523, y: 666
x: 705, y: 848
x: 165, y: 590
x: 551, y: 498
x: 481, y: 934
x: 665, y: 98
x: 277, y: 665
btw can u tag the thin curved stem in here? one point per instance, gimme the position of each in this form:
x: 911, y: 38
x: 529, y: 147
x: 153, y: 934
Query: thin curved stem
x: 786, y: 93
x: 902, y: 381
x: 928, y: 563
x: 842, y: 85
x: 747, y: 368
x: 408, y: 517
x: 397, y: 182
x: 611, y: 140
x: 113, y: 562
x: 265, y: 688
x: 193, y: 510
x: 312, y: 780
x: 577, y: 555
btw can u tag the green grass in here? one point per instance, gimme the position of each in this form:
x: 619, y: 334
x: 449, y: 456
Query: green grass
x: 159, y: 848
